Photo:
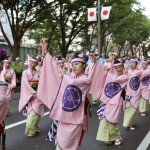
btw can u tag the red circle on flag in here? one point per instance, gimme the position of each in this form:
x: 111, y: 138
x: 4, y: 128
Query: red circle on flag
x: 91, y: 14
x: 105, y: 12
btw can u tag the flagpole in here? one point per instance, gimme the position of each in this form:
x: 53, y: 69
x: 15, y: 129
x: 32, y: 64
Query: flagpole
x: 99, y: 23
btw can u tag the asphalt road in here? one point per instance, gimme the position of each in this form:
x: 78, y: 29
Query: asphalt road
x: 16, y: 139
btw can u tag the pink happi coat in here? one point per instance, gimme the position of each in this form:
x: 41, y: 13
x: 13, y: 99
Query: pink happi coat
x: 145, y: 83
x: 133, y: 88
x: 11, y: 75
x: 3, y: 101
x: 50, y: 81
x: 66, y: 100
x: 28, y: 100
x: 114, y: 102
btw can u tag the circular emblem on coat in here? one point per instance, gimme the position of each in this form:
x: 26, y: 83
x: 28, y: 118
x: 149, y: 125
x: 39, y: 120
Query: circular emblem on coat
x: 72, y: 98
x: 112, y: 89
x: 134, y: 83
x: 145, y: 81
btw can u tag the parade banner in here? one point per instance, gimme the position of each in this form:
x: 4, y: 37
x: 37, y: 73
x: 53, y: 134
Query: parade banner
x: 6, y: 26
x: 105, y: 12
x: 92, y: 14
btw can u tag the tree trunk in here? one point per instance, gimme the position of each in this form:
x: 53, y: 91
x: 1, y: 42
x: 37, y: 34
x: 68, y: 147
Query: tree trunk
x: 131, y: 48
x: 101, y: 44
x: 119, y: 50
x: 64, y: 52
x: 144, y: 51
x: 15, y: 51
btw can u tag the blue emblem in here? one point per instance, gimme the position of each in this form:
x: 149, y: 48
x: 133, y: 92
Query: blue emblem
x: 134, y: 83
x: 111, y: 89
x: 72, y: 98
x: 145, y: 81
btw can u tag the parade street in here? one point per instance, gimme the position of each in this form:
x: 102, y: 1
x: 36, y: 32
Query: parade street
x: 16, y: 139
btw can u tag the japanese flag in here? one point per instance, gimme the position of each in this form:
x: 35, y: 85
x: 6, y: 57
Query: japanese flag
x: 92, y: 14
x: 105, y: 12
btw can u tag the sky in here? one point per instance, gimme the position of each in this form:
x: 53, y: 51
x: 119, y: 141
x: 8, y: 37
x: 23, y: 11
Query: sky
x: 146, y: 4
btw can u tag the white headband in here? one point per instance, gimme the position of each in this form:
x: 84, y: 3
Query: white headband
x: 77, y: 60
x: 32, y: 59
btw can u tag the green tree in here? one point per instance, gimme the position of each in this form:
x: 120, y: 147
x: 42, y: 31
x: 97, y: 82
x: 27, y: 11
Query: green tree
x: 126, y: 24
x: 66, y: 20
x: 22, y: 14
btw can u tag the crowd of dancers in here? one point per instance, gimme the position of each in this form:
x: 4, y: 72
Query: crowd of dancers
x: 119, y: 85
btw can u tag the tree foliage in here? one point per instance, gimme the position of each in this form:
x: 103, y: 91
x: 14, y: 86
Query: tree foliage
x: 21, y: 14
x: 127, y: 25
x: 61, y: 21
x: 66, y: 20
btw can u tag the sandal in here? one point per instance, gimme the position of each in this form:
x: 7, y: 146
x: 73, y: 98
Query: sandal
x: 132, y: 127
x: 118, y: 142
x: 143, y: 114
x: 38, y: 130
x: 95, y: 102
x: 31, y: 135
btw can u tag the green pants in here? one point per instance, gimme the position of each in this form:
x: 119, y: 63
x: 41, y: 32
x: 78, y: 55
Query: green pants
x: 32, y: 123
x: 57, y: 147
x: 107, y: 131
x: 144, y: 105
x: 129, y: 117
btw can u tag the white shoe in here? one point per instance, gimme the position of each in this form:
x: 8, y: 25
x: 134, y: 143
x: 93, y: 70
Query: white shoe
x: 143, y: 114
x: 94, y: 103
x: 38, y: 130
x: 131, y: 128
x: 31, y: 135
x: 118, y: 142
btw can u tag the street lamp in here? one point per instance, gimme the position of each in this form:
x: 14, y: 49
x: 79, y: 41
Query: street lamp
x: 99, y: 36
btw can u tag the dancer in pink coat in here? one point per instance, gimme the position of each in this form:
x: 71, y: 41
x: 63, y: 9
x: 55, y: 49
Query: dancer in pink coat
x: 29, y: 104
x: 3, y: 110
x: 3, y: 101
x: 145, y: 87
x: 40, y: 63
x: 8, y: 75
x: 133, y: 95
x: 112, y: 105
x: 66, y: 98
